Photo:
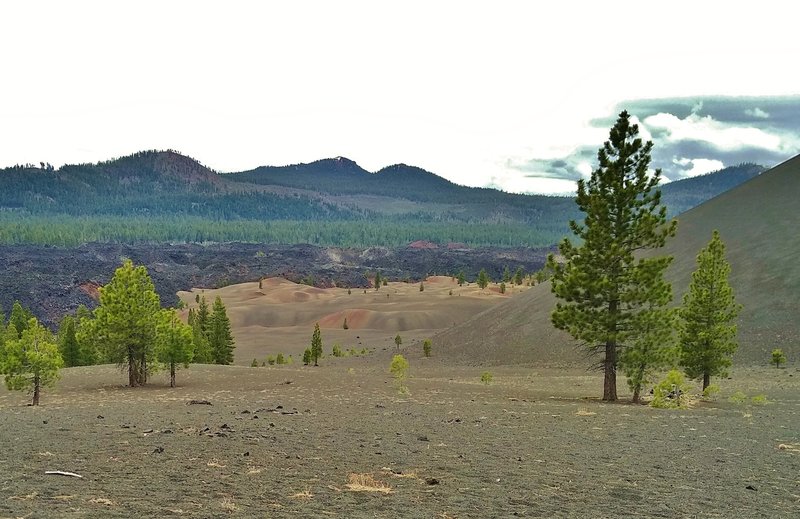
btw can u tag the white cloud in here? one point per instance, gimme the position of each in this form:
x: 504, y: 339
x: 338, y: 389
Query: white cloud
x: 698, y: 166
x: 757, y: 112
x: 705, y: 129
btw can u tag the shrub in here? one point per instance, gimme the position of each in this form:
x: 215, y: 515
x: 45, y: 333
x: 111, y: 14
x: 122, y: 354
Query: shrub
x: 502, y: 288
x: 759, y: 400
x: 270, y: 360
x: 737, y: 398
x: 254, y: 364
x: 426, y: 347
x: 345, y: 326
x: 486, y: 377
x: 670, y: 393
x: 337, y: 351
x: 279, y: 359
x: 778, y: 357
x: 307, y: 357
x: 399, y: 369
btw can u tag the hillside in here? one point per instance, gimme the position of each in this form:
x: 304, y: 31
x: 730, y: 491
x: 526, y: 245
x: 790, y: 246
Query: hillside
x: 758, y: 222
x: 162, y: 196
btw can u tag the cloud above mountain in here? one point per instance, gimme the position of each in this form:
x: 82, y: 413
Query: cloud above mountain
x: 692, y: 136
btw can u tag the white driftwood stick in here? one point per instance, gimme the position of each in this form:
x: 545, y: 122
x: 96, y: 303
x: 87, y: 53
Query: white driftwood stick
x: 62, y: 473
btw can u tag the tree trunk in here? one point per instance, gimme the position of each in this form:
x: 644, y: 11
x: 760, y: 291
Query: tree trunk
x: 36, y: 384
x: 706, y: 380
x: 172, y: 374
x: 636, y: 392
x: 132, y: 375
x: 610, y: 370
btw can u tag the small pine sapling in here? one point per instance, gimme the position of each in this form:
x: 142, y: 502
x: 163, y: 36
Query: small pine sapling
x: 778, y: 357
x: 426, y: 347
x: 399, y: 369
x: 398, y: 341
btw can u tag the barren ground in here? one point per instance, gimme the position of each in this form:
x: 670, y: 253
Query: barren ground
x: 285, y: 441
x: 282, y: 441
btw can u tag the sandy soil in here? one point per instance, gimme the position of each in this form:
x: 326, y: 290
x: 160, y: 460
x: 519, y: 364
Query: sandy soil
x: 280, y: 316
x: 283, y: 441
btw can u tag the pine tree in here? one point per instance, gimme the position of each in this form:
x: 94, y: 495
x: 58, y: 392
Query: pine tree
x: 307, y: 357
x: 202, y: 315
x: 377, y: 280
x: 125, y: 322
x: 601, y: 285
x: 519, y: 275
x: 31, y: 361
x: 398, y: 341
x: 202, y: 349
x: 174, y: 344
x: 461, y: 277
x: 316, y: 345
x: 483, y: 279
x: 20, y: 316
x: 506, y: 275
x: 220, y: 338
x: 68, y: 342
x: 707, y: 335
x: 651, y: 351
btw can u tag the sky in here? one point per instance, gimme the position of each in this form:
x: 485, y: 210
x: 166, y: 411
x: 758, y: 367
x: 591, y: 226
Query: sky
x: 513, y: 95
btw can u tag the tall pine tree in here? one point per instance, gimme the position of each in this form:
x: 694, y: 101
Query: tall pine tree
x: 125, y: 322
x: 316, y: 345
x: 602, y: 285
x: 220, y: 338
x: 68, y: 342
x: 174, y: 344
x: 707, y: 335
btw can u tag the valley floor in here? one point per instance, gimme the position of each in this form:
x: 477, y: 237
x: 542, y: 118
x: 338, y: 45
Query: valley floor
x: 282, y: 441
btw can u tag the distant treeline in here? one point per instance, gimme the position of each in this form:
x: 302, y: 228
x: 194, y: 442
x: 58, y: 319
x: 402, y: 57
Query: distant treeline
x: 70, y: 231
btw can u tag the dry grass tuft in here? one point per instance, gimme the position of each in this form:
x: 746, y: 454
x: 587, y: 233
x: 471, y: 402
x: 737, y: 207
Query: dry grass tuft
x: 585, y: 412
x: 366, y: 483
x: 305, y: 494
x: 789, y: 447
x: 101, y: 501
x: 228, y: 505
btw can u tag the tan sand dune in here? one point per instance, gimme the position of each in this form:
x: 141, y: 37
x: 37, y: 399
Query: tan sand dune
x: 280, y: 316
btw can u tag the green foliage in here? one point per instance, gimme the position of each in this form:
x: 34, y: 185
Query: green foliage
x: 280, y: 359
x: 670, y: 393
x: 426, y: 347
x: 68, y: 342
x: 337, y: 351
x: 519, y: 275
x: 377, y: 280
x: 506, y: 275
x: 316, y: 345
x: 461, y: 277
x: 174, y: 343
x: 220, y: 338
x: 502, y: 288
x: 737, y: 398
x: 20, y: 317
x: 399, y: 370
x: 125, y: 322
x: 759, y: 400
x: 652, y: 350
x: 707, y: 334
x: 202, y: 348
x: 31, y: 361
x: 254, y: 364
x: 483, y: 279
x: 398, y: 341
x: 307, y: 357
x: 778, y: 357
x: 710, y: 393
x: 486, y: 377
x: 602, y: 285
x: 270, y: 360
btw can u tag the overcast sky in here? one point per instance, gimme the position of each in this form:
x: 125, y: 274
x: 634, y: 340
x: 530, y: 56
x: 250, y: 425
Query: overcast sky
x: 517, y: 95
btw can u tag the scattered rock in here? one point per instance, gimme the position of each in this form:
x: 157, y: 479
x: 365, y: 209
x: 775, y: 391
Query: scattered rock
x: 198, y: 402
x: 423, y: 438
x: 246, y: 454
x: 751, y: 487
x: 431, y: 481
x: 245, y: 412
x: 99, y: 417
x: 148, y: 431
x: 166, y: 431
x: 158, y: 450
